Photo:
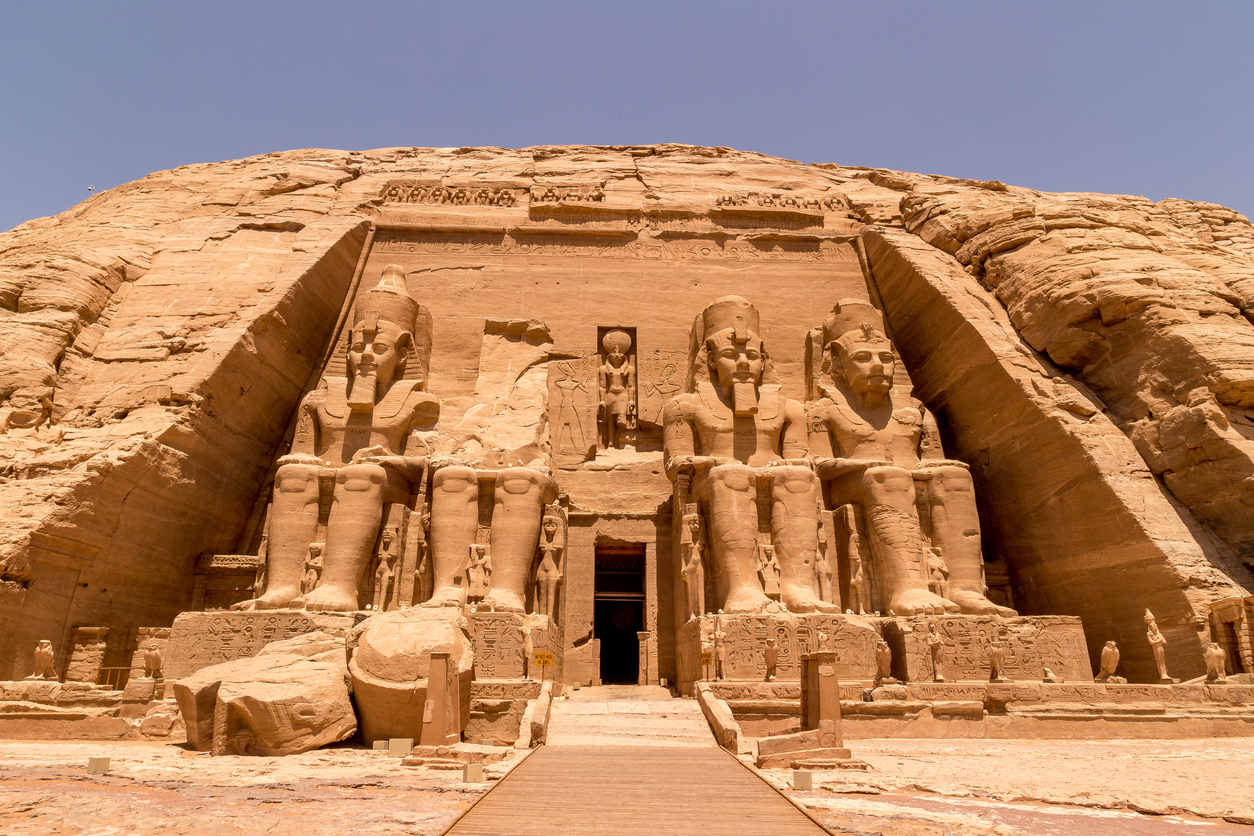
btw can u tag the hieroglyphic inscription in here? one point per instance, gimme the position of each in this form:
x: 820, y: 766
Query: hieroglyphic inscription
x: 417, y: 191
x: 661, y: 378
x: 498, y: 642
x: 853, y: 641
x: 490, y: 244
x: 198, y: 640
x: 573, y: 407
x: 1032, y: 644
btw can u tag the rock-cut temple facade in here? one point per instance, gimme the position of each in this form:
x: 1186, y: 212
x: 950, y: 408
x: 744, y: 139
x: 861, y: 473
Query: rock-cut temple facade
x: 656, y: 415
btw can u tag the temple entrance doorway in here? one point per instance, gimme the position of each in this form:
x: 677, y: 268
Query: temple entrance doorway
x: 618, y: 610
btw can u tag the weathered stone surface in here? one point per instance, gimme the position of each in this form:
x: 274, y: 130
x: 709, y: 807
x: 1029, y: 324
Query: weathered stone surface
x: 391, y: 660
x: 200, y: 639
x: 1033, y: 644
x: 291, y: 697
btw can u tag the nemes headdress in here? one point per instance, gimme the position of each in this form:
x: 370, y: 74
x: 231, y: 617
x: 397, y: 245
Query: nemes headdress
x: 730, y: 312
x: 852, y: 319
x: 388, y: 301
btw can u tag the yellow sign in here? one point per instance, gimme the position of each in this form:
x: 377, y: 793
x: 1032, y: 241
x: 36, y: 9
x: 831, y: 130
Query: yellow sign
x: 543, y: 660
x: 707, y: 658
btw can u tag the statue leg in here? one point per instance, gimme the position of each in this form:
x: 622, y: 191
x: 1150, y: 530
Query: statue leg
x: 521, y: 494
x: 956, y: 530
x: 352, y: 529
x: 793, y: 518
x: 730, y: 492
x: 293, y: 524
x: 454, y: 523
x: 897, y: 542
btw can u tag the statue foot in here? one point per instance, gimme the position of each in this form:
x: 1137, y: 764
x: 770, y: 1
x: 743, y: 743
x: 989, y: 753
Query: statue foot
x: 746, y: 601
x: 801, y: 602
x: 920, y: 602
x: 505, y: 602
x: 275, y: 599
x: 329, y: 599
x: 973, y: 603
x: 449, y: 596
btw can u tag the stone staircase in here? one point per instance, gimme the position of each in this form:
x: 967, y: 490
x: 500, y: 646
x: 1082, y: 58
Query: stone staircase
x: 627, y: 715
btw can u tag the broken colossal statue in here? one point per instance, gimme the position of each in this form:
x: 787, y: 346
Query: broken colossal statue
x: 730, y: 434
x: 881, y: 452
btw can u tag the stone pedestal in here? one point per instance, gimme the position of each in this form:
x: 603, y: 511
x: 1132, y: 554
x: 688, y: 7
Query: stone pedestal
x: 850, y: 638
x: 87, y: 652
x: 500, y: 641
x: 1032, y: 644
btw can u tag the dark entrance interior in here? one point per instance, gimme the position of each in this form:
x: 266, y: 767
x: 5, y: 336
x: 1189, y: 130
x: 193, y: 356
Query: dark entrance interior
x: 618, y: 611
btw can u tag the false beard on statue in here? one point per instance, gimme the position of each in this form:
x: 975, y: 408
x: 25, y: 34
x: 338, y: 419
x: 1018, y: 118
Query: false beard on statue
x: 361, y: 396
x: 745, y: 397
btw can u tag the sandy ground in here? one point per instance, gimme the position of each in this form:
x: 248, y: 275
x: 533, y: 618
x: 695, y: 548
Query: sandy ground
x: 1014, y: 787
x: 914, y: 788
x: 45, y: 790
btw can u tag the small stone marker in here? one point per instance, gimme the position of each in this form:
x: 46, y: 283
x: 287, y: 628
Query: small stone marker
x: 802, y: 779
x: 486, y: 741
x: 400, y: 747
x: 472, y: 773
x: 97, y: 766
x: 381, y: 745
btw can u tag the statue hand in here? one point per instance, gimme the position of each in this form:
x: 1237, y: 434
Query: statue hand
x: 944, y: 463
x: 832, y: 468
x: 301, y: 458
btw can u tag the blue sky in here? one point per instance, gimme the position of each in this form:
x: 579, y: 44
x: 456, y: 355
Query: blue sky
x: 1141, y: 98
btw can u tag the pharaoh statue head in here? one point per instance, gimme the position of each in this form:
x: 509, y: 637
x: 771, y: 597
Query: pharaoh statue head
x: 732, y: 352
x: 381, y: 337
x: 857, y: 353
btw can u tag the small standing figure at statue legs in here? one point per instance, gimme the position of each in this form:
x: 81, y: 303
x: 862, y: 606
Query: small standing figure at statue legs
x: 478, y: 574
x: 935, y: 648
x: 386, y: 571
x: 1158, y: 642
x: 720, y: 649
x: 693, y: 569
x: 768, y: 571
x: 313, y: 569
x: 772, y: 659
x: 549, y: 572
x: 823, y: 569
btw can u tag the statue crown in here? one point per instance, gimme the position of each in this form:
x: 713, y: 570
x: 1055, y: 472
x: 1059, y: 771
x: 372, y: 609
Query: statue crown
x: 389, y: 301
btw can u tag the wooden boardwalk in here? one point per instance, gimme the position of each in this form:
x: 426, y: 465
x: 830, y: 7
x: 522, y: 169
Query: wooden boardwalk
x: 605, y: 790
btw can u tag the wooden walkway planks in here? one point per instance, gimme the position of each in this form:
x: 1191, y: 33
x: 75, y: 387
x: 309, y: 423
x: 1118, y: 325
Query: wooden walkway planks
x: 612, y: 790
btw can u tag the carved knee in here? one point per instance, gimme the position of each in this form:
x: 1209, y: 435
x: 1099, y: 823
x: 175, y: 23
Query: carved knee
x: 361, y: 477
x: 735, y: 477
x: 295, y: 478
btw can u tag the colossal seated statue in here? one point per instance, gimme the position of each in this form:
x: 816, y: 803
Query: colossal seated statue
x: 730, y: 434
x: 882, y: 452
x: 360, y: 428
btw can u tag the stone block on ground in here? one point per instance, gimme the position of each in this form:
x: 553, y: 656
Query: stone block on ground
x: 391, y: 660
x: 200, y: 639
x: 291, y: 697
